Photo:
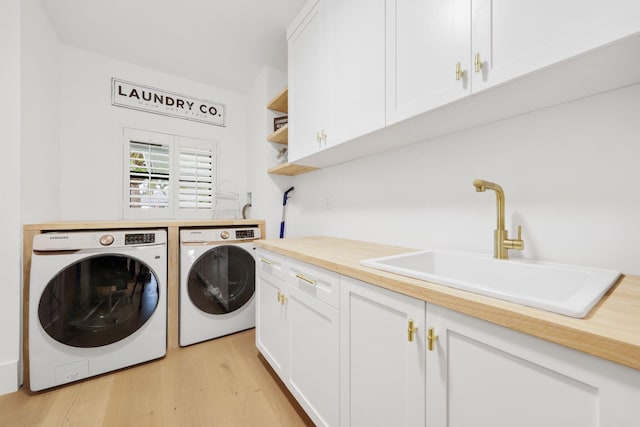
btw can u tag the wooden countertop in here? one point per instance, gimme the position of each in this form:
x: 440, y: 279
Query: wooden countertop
x: 610, y: 331
x: 130, y: 223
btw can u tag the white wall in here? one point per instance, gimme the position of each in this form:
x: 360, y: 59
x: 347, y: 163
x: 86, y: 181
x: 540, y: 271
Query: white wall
x: 40, y: 115
x: 10, y: 248
x: 91, y: 155
x: 267, y: 189
x: 570, y: 175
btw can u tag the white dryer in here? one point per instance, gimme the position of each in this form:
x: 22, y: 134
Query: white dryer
x: 217, y: 282
x: 97, y: 303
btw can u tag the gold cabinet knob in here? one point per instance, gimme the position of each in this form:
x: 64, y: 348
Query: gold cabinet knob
x: 459, y: 71
x: 431, y: 339
x: 411, y: 330
x: 477, y: 62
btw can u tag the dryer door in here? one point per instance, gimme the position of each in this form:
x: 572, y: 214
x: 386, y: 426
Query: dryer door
x: 98, y: 300
x: 222, y: 280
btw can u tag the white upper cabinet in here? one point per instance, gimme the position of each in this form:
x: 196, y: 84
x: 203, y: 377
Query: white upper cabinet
x: 307, y: 81
x: 516, y: 37
x: 428, y: 59
x: 368, y: 76
x: 336, y: 74
x: 356, y: 37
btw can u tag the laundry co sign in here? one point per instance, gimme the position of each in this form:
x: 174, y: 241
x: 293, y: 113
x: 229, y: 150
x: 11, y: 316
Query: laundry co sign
x: 144, y: 98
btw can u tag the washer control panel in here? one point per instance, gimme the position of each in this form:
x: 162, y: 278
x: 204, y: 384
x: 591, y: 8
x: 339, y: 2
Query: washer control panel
x: 139, y: 238
x: 245, y: 234
x: 97, y: 239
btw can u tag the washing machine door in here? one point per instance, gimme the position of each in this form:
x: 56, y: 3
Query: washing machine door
x: 222, y: 280
x: 98, y: 300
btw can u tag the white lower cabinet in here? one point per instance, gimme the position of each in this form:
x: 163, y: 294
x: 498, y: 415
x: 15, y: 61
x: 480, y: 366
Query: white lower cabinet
x: 271, y: 321
x: 354, y: 354
x: 382, y: 380
x: 484, y: 375
x: 314, y: 357
x: 298, y: 334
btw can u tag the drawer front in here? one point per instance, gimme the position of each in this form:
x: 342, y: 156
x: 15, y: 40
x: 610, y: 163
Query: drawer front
x: 315, y: 281
x: 271, y: 263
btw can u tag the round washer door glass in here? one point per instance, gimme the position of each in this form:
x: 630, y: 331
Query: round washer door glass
x: 222, y: 280
x: 98, y: 301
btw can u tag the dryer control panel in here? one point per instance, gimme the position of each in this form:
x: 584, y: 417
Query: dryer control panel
x: 208, y: 235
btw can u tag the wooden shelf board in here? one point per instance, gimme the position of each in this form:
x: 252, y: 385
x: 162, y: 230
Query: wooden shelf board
x: 281, y: 136
x: 280, y: 102
x: 290, y: 169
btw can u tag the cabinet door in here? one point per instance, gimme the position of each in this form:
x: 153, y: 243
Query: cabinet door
x: 483, y: 375
x: 314, y: 356
x: 307, y: 83
x: 356, y: 47
x: 426, y: 39
x: 271, y: 322
x: 515, y: 37
x: 382, y: 373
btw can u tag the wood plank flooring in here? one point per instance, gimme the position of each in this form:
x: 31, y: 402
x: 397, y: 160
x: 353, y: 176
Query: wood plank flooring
x: 223, y: 382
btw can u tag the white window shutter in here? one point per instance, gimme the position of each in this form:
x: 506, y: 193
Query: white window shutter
x: 196, y: 178
x: 149, y: 176
x: 168, y: 176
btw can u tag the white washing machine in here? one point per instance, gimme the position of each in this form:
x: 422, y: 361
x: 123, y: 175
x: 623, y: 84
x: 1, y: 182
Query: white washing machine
x: 217, y: 282
x: 97, y: 303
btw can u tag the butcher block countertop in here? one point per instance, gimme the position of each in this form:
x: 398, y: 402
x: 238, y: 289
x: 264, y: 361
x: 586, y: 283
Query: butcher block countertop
x: 610, y: 331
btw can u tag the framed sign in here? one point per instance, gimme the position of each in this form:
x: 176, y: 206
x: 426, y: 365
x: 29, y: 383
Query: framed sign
x: 144, y: 98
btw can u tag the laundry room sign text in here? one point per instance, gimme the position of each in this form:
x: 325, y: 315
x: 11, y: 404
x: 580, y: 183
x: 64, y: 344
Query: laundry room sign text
x: 145, y: 98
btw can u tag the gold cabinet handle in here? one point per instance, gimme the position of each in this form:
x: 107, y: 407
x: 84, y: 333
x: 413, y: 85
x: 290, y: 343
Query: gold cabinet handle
x: 266, y: 261
x: 459, y: 71
x: 411, y: 330
x: 282, y: 299
x: 304, y: 279
x: 431, y: 339
x: 477, y: 62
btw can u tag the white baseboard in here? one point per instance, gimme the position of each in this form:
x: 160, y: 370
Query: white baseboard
x: 8, y: 377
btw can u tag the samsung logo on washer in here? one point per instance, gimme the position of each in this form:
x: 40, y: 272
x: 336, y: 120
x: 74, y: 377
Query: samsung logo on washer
x: 145, y: 98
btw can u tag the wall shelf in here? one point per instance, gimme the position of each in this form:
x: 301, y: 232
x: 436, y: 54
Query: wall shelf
x: 290, y: 169
x: 280, y: 102
x: 281, y: 136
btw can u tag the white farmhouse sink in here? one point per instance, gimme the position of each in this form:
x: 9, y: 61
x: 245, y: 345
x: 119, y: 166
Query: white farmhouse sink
x: 564, y: 289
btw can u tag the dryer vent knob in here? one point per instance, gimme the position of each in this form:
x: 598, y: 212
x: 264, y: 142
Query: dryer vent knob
x: 224, y: 235
x: 106, y: 240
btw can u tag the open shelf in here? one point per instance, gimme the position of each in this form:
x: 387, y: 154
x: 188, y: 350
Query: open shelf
x: 281, y: 136
x: 280, y: 102
x: 290, y: 169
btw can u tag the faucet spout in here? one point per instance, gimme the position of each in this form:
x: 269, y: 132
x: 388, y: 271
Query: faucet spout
x: 482, y: 186
x: 502, y: 243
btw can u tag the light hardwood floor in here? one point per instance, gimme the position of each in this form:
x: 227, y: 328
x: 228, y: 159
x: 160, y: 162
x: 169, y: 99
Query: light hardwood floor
x: 223, y: 382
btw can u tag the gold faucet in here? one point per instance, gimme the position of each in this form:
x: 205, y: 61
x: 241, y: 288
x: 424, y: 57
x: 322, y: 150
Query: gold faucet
x: 501, y: 241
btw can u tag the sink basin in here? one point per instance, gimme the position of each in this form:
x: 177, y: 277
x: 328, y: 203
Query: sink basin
x: 559, y: 288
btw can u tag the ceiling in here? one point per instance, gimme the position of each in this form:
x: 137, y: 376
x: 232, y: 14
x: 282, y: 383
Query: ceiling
x: 223, y: 43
